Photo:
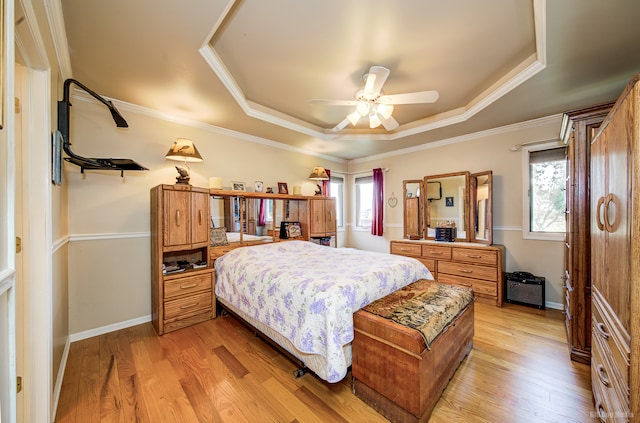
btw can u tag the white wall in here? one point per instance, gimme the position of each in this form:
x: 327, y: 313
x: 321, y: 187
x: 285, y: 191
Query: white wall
x: 476, y: 153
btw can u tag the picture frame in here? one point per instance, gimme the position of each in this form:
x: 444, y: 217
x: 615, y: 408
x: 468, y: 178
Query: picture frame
x: 258, y: 186
x: 238, y: 186
x: 283, y: 188
x: 448, y: 201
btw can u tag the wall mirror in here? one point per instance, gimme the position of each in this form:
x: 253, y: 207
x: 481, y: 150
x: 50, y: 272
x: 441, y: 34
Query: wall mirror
x: 481, y: 202
x: 446, y: 204
x: 244, y: 219
x: 412, y: 190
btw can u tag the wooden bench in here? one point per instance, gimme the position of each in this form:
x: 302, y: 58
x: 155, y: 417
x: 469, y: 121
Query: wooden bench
x: 395, y: 369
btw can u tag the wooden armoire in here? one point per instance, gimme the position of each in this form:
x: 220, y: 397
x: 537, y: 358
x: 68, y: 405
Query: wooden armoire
x: 615, y: 260
x: 577, y: 131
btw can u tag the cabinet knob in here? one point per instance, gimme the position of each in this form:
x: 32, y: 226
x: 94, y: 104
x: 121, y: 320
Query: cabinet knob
x: 602, y: 330
x: 602, y: 375
x: 184, y: 307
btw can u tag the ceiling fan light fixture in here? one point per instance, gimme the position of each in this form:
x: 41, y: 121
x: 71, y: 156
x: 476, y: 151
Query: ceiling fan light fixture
x: 374, y: 120
x: 354, y: 117
x: 385, y: 110
x: 362, y: 108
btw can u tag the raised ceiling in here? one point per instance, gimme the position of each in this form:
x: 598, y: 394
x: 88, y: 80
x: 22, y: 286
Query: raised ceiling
x: 253, y: 66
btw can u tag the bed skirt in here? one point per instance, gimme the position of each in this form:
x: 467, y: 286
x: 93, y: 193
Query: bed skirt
x: 313, y: 362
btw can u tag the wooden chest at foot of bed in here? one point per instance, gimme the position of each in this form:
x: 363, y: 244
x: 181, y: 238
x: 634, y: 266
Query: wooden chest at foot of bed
x: 394, y: 371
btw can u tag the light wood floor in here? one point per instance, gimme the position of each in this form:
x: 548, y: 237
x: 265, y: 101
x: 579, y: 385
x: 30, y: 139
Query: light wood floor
x: 518, y: 371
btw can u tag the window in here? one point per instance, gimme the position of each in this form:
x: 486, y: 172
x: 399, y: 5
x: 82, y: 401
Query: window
x: 545, y: 200
x: 364, y: 202
x: 337, y: 191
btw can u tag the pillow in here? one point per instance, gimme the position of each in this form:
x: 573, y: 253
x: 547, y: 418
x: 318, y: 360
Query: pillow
x: 218, y: 237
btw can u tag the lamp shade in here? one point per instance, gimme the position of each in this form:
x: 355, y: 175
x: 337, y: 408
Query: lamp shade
x: 319, y: 174
x: 183, y: 150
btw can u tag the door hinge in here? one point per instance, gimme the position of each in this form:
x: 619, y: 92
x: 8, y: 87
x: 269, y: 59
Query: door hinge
x: 18, y: 244
x: 18, y: 384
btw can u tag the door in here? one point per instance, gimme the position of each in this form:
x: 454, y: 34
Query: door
x: 200, y: 218
x: 330, y: 222
x: 610, y: 193
x: 177, y: 218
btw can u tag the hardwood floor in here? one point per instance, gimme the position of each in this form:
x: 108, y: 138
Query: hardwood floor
x: 217, y: 371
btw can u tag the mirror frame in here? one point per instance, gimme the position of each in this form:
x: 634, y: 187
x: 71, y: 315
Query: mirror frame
x: 405, y: 211
x: 473, y: 209
x: 426, y: 203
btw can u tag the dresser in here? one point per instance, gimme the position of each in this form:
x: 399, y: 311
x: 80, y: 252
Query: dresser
x: 180, y: 234
x: 478, y: 266
x: 615, y: 260
x: 577, y: 131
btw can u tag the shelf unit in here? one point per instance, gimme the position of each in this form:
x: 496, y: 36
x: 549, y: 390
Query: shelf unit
x: 180, y: 232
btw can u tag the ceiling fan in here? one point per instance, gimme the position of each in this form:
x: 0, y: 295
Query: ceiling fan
x: 372, y: 102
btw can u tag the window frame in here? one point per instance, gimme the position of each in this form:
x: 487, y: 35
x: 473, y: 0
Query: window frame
x: 339, y: 196
x: 356, y: 191
x: 526, y: 195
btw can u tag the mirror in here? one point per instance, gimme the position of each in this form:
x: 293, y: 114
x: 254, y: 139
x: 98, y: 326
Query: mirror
x: 481, y: 186
x: 412, y: 208
x: 245, y: 219
x: 446, y: 204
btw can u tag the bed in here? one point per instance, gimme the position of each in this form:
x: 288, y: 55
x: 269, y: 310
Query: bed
x: 303, y: 296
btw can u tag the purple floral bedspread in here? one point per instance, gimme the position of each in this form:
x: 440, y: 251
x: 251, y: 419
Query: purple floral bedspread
x: 308, y: 293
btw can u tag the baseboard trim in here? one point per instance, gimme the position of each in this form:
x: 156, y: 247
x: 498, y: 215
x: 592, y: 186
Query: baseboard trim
x: 58, y: 384
x: 555, y: 306
x: 74, y: 337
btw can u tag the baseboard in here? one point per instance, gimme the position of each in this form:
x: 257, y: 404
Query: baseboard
x: 58, y: 384
x: 108, y: 328
x: 555, y: 306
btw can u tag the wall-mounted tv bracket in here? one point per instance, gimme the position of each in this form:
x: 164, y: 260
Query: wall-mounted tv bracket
x: 64, y: 107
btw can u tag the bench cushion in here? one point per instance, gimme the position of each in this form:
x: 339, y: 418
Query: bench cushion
x: 425, y: 306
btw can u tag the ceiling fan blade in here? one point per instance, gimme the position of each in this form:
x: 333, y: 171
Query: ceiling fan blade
x: 411, y: 98
x: 376, y: 78
x: 390, y: 123
x: 333, y: 102
x: 341, y: 125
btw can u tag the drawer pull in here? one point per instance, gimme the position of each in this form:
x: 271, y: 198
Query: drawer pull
x: 184, y: 307
x: 465, y: 271
x: 474, y: 256
x: 602, y: 375
x: 439, y: 253
x: 602, y: 330
x: 191, y: 285
x: 602, y: 413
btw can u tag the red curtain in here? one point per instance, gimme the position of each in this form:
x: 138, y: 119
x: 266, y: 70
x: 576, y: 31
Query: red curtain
x: 378, y: 202
x: 326, y: 185
x: 262, y: 219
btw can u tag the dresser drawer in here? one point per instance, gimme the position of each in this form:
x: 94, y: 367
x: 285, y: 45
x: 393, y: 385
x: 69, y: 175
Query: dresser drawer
x: 399, y: 248
x: 479, y: 286
x: 430, y: 263
x: 488, y: 258
x: 436, y: 252
x: 468, y: 270
x: 613, y: 397
x: 612, y: 337
x: 217, y: 252
x: 183, y: 307
x: 187, y: 285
